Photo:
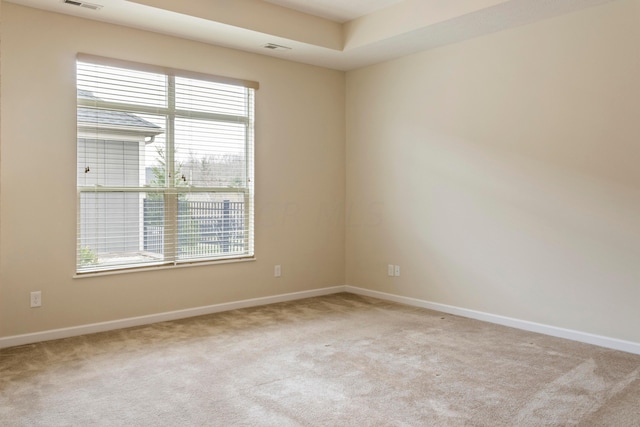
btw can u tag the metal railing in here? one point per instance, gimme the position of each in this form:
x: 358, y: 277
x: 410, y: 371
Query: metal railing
x: 204, y: 227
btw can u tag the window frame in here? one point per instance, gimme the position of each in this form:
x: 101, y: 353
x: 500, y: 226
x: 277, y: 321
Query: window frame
x: 171, y: 191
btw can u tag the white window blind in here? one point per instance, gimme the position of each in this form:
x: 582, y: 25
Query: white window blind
x: 164, y: 166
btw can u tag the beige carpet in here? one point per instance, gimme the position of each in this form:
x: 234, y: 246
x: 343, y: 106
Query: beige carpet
x: 339, y: 360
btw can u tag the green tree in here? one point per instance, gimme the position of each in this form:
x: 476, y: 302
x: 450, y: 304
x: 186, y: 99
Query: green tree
x: 188, y: 228
x: 159, y: 172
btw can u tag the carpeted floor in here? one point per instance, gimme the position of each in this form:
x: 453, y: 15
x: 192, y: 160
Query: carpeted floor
x: 338, y: 360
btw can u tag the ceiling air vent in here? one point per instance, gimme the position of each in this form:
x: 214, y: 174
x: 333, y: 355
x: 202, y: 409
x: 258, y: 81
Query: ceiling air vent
x: 273, y: 46
x: 84, y: 4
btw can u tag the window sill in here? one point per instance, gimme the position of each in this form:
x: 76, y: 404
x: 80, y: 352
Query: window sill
x: 160, y: 267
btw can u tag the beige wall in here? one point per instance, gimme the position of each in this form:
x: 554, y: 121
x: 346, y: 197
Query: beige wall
x: 503, y: 173
x: 300, y: 175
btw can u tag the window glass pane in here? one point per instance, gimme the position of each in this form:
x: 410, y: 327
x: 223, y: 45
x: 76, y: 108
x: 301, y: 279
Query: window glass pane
x: 210, y: 153
x: 210, y: 97
x: 128, y: 153
x: 119, y: 228
x: 121, y: 85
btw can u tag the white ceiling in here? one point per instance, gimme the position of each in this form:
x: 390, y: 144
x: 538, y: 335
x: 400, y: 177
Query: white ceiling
x: 338, y: 34
x: 336, y: 10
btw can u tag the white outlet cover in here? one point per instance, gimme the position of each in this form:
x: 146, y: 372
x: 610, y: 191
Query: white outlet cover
x: 277, y: 271
x: 397, y: 271
x: 390, y: 270
x: 36, y: 299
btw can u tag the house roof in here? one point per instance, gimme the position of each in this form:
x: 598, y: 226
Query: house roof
x: 113, y: 120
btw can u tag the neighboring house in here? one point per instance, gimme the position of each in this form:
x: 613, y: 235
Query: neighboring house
x: 120, y: 138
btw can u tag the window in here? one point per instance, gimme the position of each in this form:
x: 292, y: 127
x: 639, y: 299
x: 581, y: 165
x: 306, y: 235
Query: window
x: 164, y: 166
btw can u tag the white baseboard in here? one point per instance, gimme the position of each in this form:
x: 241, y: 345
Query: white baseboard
x: 584, y: 337
x: 54, y: 334
x: 602, y: 341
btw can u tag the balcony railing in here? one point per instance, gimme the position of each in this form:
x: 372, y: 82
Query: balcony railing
x: 205, y: 228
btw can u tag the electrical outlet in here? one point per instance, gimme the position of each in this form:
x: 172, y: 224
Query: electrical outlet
x: 277, y: 271
x: 397, y: 271
x: 390, y: 270
x: 36, y: 299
